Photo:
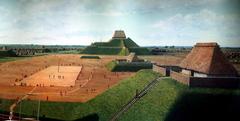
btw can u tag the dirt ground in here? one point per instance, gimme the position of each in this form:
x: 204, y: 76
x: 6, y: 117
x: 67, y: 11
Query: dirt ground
x: 53, y: 76
x: 165, y: 59
x: 93, y: 79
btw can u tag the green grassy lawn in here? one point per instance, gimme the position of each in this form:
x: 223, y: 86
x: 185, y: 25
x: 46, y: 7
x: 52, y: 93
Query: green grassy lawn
x: 166, y: 101
x: 7, y: 53
x: 90, y: 57
x: 6, y: 59
x: 115, y: 66
x: 68, y: 52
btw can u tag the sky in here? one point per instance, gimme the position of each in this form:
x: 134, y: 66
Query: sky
x: 147, y: 22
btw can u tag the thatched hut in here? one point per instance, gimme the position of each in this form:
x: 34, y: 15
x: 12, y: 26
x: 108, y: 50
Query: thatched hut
x: 207, y: 60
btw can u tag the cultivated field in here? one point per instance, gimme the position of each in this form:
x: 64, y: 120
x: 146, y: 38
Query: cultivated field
x: 90, y: 78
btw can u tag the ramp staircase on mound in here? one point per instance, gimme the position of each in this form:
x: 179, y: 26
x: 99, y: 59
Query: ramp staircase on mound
x: 137, y: 97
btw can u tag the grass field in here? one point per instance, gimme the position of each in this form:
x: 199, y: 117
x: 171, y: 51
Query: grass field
x: 89, y: 57
x: 7, y: 53
x: 6, y: 59
x: 166, y: 101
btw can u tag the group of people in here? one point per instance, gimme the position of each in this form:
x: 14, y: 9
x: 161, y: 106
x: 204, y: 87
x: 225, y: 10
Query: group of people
x: 53, y: 76
x: 62, y: 93
x: 91, y: 90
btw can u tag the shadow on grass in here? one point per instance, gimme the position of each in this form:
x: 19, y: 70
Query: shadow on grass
x: 91, y: 117
x: 205, y: 107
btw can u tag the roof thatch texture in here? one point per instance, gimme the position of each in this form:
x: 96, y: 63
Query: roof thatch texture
x: 209, y: 59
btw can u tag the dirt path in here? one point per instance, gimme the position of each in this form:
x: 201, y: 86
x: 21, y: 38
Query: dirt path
x: 14, y: 105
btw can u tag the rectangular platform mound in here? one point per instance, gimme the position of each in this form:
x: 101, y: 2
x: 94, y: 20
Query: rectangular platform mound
x: 54, y: 76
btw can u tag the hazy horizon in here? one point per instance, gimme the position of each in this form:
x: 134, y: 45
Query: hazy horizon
x: 147, y: 22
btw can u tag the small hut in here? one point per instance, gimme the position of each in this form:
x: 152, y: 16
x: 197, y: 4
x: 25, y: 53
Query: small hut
x: 207, y: 60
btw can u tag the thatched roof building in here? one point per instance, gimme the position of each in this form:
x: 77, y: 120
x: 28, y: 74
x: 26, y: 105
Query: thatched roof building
x: 208, y: 59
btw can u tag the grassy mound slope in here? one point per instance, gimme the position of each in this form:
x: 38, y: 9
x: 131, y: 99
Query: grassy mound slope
x: 116, y: 47
x: 140, y: 50
x: 113, y: 47
x: 124, y: 51
x: 111, y: 43
x: 129, y: 43
x: 102, y: 50
x: 128, y: 67
x: 171, y: 101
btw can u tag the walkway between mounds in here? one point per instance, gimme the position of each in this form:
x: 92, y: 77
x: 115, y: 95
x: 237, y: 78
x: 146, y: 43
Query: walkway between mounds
x: 14, y: 105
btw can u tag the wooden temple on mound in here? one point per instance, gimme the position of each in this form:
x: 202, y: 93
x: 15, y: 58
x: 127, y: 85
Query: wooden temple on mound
x: 207, y: 60
x: 119, y: 34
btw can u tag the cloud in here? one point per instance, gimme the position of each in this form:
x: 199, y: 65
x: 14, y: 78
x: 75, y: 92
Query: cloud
x: 37, y: 21
x: 205, y: 25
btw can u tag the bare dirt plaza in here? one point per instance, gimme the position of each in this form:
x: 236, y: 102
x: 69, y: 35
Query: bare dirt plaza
x: 65, y: 78
x: 54, y: 76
